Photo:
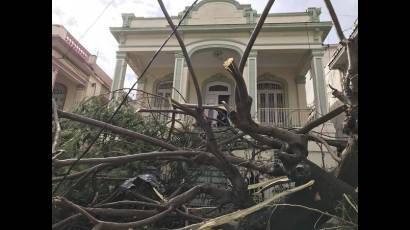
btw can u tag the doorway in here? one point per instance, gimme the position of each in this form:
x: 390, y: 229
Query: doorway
x: 216, y: 92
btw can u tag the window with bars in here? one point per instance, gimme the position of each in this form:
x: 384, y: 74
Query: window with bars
x: 271, y: 103
x: 270, y: 95
x: 164, y: 89
x: 59, y: 95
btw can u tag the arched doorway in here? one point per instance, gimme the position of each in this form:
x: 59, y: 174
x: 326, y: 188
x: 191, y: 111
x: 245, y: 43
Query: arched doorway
x: 59, y: 95
x: 216, y: 92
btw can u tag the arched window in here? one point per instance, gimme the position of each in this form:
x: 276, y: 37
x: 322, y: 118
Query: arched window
x: 270, y: 95
x: 164, y: 89
x: 59, y: 95
x: 214, y: 88
x: 271, y: 103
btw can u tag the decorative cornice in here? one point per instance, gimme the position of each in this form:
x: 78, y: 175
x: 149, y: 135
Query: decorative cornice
x: 126, y: 19
x: 229, y: 28
x: 314, y: 13
x: 155, y: 46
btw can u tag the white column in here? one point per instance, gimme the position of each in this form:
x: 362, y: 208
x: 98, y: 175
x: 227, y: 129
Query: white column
x: 178, y: 77
x: 119, y: 73
x: 184, y: 82
x: 301, y: 91
x: 317, y: 72
x: 302, y: 115
x: 252, y: 74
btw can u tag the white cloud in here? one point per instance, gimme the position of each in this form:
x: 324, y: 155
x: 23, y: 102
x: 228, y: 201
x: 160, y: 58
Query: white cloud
x: 78, y: 15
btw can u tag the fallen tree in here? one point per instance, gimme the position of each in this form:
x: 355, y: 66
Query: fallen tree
x: 117, y: 169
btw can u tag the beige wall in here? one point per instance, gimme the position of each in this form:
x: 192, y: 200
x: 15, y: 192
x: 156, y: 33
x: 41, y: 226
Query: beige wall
x: 286, y: 19
x: 160, y: 22
x: 217, y: 13
x: 203, y: 74
x: 77, y: 93
x: 154, y: 75
x: 289, y: 37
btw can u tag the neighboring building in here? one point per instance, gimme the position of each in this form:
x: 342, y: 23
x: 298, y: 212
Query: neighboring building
x: 75, y: 74
x: 335, y: 70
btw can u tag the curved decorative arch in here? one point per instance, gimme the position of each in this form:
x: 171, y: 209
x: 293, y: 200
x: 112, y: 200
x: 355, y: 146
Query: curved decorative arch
x: 268, y: 77
x: 205, y: 44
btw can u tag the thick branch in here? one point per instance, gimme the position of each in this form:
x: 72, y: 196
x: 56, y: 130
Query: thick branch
x: 311, y: 125
x: 330, y: 150
x: 58, y: 128
x: 222, y: 195
x: 116, y: 129
x: 104, y: 225
x: 128, y: 203
x: 161, y: 111
x: 335, y: 20
x: 78, y: 174
x: 127, y: 158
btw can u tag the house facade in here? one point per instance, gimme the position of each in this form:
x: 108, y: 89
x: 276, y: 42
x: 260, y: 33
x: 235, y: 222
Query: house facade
x: 287, y: 51
x: 287, y: 48
x: 75, y: 73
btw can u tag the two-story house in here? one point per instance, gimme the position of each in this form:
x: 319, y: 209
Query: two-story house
x: 75, y: 73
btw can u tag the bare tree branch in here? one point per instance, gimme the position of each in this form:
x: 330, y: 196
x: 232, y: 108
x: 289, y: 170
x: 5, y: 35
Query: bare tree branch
x: 335, y: 20
x: 329, y: 149
x: 116, y: 129
x: 311, y: 125
x: 57, y: 126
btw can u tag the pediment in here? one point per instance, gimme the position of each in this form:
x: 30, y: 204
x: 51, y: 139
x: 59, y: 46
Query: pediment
x: 219, y: 12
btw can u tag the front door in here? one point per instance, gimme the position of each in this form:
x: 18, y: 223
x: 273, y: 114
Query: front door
x: 216, y: 93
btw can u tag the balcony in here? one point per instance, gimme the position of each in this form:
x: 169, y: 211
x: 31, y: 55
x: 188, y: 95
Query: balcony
x: 283, y: 117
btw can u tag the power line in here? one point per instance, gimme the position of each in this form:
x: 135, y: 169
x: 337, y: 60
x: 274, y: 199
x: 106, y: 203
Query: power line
x: 96, y: 20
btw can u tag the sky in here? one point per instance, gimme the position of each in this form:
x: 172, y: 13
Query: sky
x: 89, y: 20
